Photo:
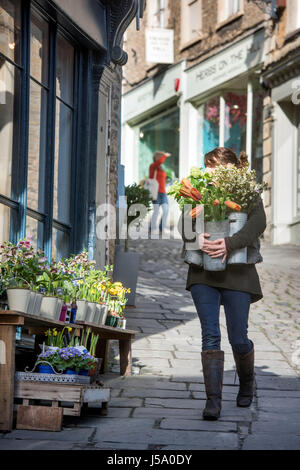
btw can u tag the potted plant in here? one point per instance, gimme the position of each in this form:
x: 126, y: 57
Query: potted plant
x: 51, y: 280
x: 126, y: 263
x: 46, y: 362
x: 20, y: 264
x: 205, y: 199
x: 241, y: 187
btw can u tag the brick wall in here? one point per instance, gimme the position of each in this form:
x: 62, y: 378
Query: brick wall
x: 212, y: 40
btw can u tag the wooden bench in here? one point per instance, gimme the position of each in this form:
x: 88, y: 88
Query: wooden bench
x: 37, y: 325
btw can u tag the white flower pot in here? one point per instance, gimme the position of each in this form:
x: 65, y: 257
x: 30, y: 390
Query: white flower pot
x: 122, y: 323
x: 38, y: 302
x: 81, y: 310
x: 91, y: 307
x: 49, y: 307
x: 59, y: 307
x: 104, y: 312
x: 18, y: 299
x: 31, y: 303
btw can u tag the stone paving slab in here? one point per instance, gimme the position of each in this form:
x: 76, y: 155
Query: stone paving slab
x: 272, y: 441
x: 160, y: 406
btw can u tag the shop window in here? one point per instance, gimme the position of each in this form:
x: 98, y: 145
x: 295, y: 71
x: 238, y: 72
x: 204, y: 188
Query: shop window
x: 39, y: 59
x: 10, y: 28
x: 293, y: 16
x: 223, y: 123
x: 235, y: 121
x: 209, y: 122
x: 10, y: 80
x: 43, y: 166
x: 162, y: 134
x: 191, y: 21
x: 228, y: 9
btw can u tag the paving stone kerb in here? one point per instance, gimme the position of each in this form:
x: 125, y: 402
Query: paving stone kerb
x: 160, y: 406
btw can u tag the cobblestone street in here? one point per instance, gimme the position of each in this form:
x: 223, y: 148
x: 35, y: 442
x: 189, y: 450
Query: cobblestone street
x: 160, y: 406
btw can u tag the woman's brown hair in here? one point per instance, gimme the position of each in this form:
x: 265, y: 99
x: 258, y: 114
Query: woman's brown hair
x: 223, y: 156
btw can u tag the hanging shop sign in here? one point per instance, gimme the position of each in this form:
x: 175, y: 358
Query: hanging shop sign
x: 160, y: 46
x: 231, y: 62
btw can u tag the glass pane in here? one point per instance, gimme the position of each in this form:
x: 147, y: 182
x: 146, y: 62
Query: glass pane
x: 4, y: 223
x: 62, y: 163
x: 60, y: 245
x: 235, y: 121
x: 257, y: 134
x: 65, y: 70
x: 35, y: 230
x: 9, y: 125
x: 10, y: 21
x: 161, y: 134
x: 37, y: 147
x: 39, y: 49
x: 209, y: 121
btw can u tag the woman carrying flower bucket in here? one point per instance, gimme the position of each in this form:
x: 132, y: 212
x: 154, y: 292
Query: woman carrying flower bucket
x: 235, y: 287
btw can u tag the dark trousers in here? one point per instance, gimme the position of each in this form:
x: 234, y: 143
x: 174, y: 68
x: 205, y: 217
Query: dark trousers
x: 236, y: 303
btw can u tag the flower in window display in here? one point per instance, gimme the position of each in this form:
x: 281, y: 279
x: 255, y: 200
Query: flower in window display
x: 238, y: 108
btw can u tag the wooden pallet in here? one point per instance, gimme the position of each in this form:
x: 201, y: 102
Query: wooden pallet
x: 51, y: 401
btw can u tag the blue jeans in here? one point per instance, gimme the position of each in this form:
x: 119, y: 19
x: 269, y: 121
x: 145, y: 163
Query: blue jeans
x: 236, y: 303
x: 162, y: 201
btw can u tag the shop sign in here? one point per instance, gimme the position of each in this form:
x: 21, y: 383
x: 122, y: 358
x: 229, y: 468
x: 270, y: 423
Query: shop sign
x: 160, y: 46
x: 156, y: 91
x: 233, y: 61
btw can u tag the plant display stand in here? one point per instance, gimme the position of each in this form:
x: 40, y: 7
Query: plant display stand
x: 45, y: 403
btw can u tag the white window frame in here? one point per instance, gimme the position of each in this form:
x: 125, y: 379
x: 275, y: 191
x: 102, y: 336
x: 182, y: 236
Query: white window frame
x: 223, y: 19
x: 159, y: 14
x: 188, y: 39
x: 292, y: 17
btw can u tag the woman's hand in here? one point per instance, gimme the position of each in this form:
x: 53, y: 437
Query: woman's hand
x: 214, y: 248
x: 168, y: 155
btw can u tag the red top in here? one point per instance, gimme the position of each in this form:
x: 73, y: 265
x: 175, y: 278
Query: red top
x: 161, y: 175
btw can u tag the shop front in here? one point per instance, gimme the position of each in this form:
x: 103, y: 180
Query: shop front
x: 225, y: 101
x: 282, y: 156
x: 151, y: 122
x: 54, y: 113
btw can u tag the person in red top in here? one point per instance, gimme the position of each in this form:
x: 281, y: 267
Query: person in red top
x: 162, y: 200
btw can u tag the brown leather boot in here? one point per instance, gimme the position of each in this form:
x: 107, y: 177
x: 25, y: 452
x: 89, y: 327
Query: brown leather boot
x: 245, y: 369
x: 213, y: 368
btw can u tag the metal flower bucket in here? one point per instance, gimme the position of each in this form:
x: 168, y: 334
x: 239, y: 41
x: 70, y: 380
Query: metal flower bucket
x: 219, y: 229
x: 237, y: 221
x: 194, y: 257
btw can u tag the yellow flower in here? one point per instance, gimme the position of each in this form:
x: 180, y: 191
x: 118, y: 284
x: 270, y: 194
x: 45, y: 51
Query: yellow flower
x: 128, y: 291
x: 93, y: 291
x: 80, y: 282
x: 54, y: 333
x: 69, y: 329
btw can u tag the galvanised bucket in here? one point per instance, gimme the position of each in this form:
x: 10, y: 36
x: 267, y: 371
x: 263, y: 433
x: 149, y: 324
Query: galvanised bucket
x: 237, y: 221
x: 219, y: 229
x: 194, y: 257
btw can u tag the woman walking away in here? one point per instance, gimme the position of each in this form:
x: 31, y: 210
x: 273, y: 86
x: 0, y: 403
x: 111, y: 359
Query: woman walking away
x: 235, y: 288
x: 155, y: 171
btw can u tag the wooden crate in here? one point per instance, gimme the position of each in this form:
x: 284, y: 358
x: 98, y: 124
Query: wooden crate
x: 51, y: 401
